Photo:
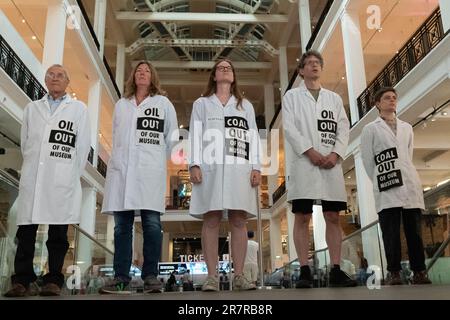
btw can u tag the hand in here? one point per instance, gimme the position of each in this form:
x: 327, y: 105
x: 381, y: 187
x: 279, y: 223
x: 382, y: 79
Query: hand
x: 315, y: 157
x: 195, y: 174
x: 330, y: 161
x: 255, y: 178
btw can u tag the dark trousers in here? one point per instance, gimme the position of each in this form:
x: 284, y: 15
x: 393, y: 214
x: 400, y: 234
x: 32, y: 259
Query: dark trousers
x: 57, y: 246
x: 390, y: 226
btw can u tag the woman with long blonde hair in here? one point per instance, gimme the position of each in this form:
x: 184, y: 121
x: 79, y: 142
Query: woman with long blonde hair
x: 144, y: 130
x: 224, y: 169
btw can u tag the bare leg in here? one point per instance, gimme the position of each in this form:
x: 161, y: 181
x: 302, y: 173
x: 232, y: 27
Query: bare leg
x: 210, y: 240
x: 238, y: 226
x: 301, y: 236
x: 333, y: 236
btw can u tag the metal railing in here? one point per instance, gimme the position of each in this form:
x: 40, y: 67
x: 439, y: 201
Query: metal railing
x: 88, y: 23
x: 19, y: 73
x: 279, y: 192
x: 97, y: 44
x: 422, y: 42
x: 102, y: 167
x: 319, y: 24
x: 111, y: 76
x: 87, y: 235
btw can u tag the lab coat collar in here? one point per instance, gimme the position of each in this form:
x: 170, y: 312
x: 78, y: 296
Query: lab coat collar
x: 306, y: 91
x: 385, y: 126
x: 45, y: 110
x: 213, y: 98
x: 133, y: 101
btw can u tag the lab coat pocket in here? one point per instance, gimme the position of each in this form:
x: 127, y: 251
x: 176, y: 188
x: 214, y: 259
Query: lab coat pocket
x: 151, y: 158
x: 64, y: 174
x: 115, y: 161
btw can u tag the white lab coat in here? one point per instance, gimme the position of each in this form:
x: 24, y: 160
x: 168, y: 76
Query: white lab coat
x: 213, y: 132
x: 143, y: 137
x: 322, y: 125
x: 388, y: 162
x: 55, y: 149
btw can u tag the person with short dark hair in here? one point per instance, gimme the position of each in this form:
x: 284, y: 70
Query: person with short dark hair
x: 387, y: 152
x: 316, y: 130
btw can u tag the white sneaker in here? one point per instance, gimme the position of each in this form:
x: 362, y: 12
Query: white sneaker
x: 241, y: 283
x: 211, y: 284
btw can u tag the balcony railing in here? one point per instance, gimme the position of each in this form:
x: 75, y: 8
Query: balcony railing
x: 425, y: 39
x: 101, y: 167
x: 89, y: 25
x: 97, y: 44
x: 279, y: 192
x: 319, y: 24
x: 19, y: 73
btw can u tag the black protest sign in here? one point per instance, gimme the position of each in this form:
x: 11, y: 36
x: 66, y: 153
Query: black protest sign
x: 62, y: 140
x: 149, y: 125
x: 237, y: 137
x: 388, y: 176
x: 327, y: 127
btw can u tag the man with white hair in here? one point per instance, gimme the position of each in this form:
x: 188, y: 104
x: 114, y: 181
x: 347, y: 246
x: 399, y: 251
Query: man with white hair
x: 55, y: 142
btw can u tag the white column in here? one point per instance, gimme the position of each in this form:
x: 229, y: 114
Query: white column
x: 87, y: 223
x: 290, y: 219
x: 165, y: 247
x: 55, y: 31
x: 100, y: 23
x: 120, y: 66
x: 305, y: 23
x: 368, y: 214
x: 276, y: 250
x: 282, y: 59
x: 354, y: 60
x: 445, y: 13
x: 94, y: 104
x: 269, y: 104
x: 110, y: 238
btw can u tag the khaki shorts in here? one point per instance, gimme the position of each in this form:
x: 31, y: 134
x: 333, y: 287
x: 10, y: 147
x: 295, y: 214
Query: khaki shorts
x: 251, y: 272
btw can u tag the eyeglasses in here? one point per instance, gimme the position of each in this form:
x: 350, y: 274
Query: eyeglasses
x: 57, y: 76
x: 224, y: 68
x: 313, y: 62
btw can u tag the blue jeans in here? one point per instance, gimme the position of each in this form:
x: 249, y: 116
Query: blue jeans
x: 123, y: 243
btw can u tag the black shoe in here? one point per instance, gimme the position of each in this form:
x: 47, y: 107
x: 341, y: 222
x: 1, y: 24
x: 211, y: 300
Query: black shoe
x: 394, y: 279
x: 339, y: 278
x: 305, y: 280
